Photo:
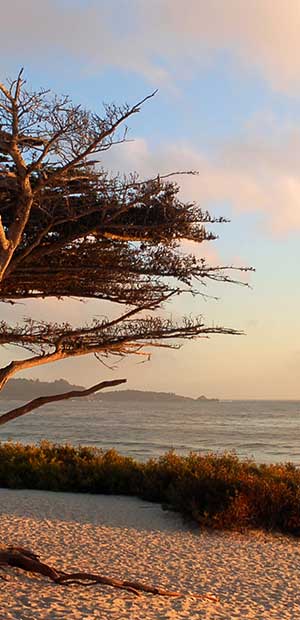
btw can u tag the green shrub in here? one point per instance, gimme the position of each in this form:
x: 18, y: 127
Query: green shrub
x: 216, y: 491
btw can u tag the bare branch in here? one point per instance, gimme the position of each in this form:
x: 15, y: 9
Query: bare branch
x: 44, y: 400
x: 29, y: 561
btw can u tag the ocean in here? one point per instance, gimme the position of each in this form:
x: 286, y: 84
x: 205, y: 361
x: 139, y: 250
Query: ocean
x: 267, y: 431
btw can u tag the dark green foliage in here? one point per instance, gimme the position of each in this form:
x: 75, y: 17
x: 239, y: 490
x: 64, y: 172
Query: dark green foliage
x: 218, y: 491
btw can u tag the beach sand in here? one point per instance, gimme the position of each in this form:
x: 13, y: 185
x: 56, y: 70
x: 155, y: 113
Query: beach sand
x: 255, y: 575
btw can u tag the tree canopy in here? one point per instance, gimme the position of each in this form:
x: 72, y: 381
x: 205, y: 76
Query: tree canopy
x: 69, y: 228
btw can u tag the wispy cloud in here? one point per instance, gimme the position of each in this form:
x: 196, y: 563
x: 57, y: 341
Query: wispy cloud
x: 158, y: 39
x: 255, y: 173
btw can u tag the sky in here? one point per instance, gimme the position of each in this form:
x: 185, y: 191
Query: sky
x: 228, y: 106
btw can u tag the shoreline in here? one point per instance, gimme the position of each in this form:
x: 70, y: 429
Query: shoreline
x: 254, y: 575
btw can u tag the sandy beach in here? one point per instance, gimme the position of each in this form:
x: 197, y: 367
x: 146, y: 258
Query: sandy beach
x: 254, y: 575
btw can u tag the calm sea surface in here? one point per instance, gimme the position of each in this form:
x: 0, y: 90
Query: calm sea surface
x: 268, y: 431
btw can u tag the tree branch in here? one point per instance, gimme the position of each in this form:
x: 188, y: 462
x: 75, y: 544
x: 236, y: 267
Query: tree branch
x: 17, y: 365
x: 44, y: 400
x: 4, y: 242
x: 29, y: 561
x: 92, y: 147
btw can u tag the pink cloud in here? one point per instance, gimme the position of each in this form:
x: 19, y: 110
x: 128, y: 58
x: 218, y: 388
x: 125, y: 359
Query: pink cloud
x: 255, y: 174
x: 159, y: 39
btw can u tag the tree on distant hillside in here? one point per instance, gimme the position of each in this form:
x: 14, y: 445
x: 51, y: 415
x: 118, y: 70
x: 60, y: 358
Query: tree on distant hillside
x: 69, y: 229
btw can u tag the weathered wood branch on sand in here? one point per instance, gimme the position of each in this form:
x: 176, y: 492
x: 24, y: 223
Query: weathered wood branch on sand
x: 29, y: 561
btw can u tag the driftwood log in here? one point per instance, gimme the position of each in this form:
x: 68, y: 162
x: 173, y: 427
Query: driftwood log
x: 29, y: 561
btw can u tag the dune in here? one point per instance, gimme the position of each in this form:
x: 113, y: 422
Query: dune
x: 254, y: 575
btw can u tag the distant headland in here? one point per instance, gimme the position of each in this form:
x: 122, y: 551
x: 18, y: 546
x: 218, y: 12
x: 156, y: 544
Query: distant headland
x: 137, y: 395
x: 26, y: 389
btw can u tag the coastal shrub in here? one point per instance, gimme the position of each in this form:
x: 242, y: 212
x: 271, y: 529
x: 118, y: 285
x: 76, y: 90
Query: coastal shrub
x: 274, y: 498
x: 65, y: 468
x: 196, y: 486
x: 213, y: 490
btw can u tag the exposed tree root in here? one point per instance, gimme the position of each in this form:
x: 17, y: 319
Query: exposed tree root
x: 27, y: 560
